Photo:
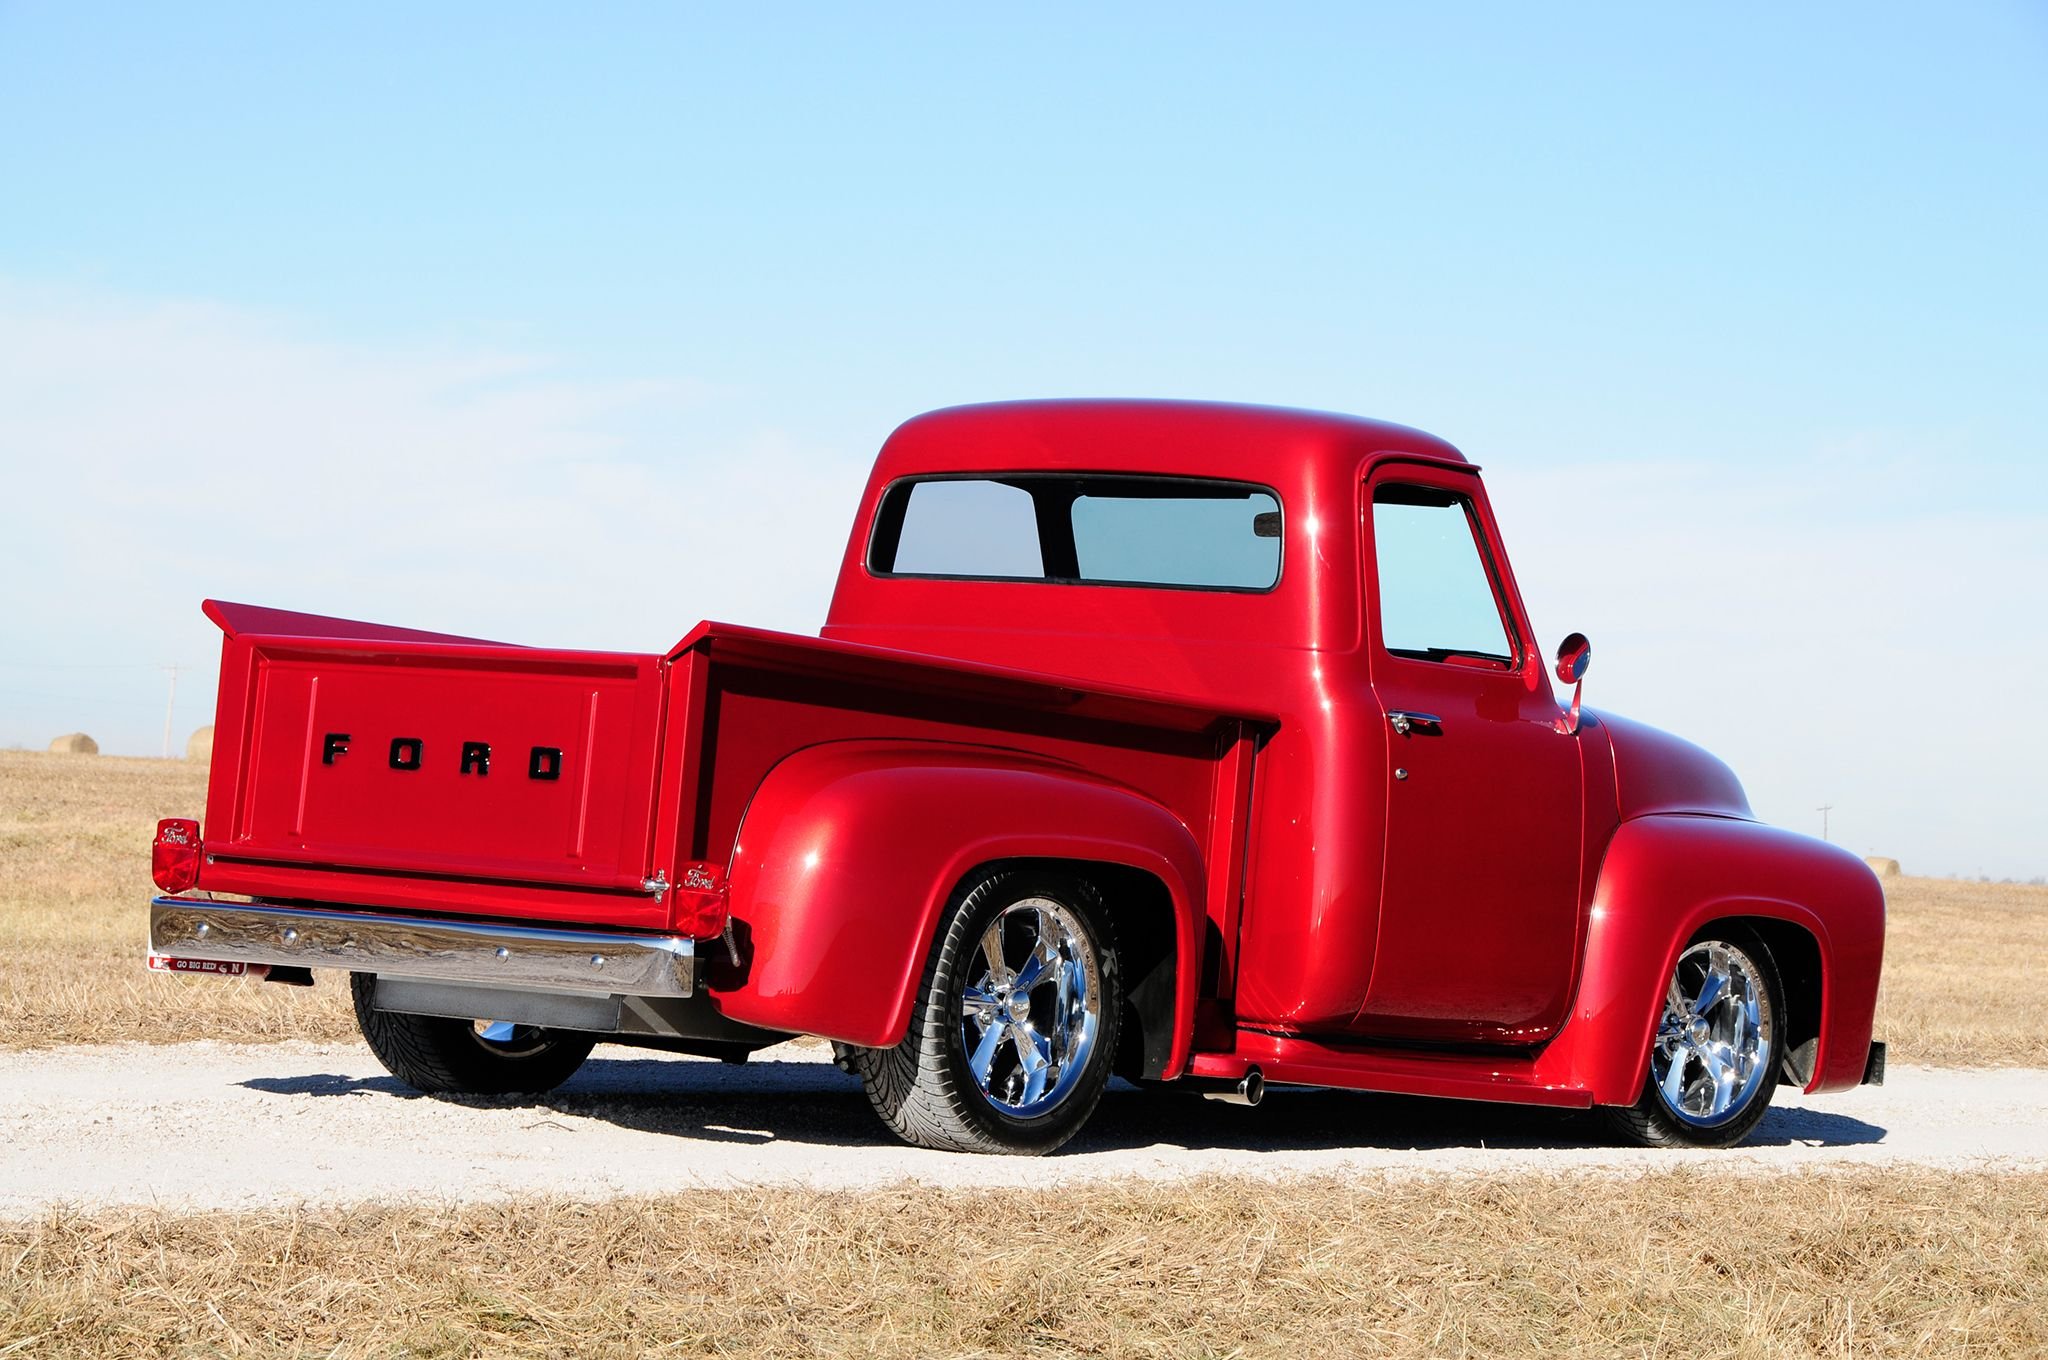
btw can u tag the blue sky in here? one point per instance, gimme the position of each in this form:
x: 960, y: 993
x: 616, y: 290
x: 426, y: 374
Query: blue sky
x: 575, y: 325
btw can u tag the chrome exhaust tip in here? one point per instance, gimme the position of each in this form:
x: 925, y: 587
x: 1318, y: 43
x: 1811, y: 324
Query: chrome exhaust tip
x: 1249, y: 1089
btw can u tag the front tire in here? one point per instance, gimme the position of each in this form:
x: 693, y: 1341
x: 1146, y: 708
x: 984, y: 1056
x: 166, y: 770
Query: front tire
x: 466, y: 1057
x: 1015, y: 1029
x: 1719, y: 1042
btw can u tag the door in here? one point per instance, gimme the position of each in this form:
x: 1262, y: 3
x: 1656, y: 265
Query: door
x: 1479, y: 914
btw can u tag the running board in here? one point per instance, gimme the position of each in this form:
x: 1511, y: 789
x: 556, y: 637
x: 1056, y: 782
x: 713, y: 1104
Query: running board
x: 1289, y: 1061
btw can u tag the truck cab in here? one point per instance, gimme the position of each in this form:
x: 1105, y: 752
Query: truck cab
x: 1225, y: 729
x: 1426, y: 883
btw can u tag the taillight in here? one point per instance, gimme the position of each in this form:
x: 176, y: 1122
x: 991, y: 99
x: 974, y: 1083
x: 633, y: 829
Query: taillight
x: 700, y: 901
x: 174, y: 858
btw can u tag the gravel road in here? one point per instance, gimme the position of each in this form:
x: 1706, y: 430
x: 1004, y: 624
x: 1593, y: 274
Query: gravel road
x: 217, y: 1125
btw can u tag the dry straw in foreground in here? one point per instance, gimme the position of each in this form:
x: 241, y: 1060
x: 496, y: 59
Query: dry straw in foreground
x: 1672, y: 1264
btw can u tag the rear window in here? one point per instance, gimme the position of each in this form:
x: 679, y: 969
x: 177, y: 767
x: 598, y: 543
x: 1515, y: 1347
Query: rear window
x: 1086, y: 530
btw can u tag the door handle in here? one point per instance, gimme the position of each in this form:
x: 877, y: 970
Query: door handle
x: 1409, y: 723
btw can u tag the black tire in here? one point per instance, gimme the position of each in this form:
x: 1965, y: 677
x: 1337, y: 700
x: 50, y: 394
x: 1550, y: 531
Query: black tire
x: 926, y: 1088
x: 1655, y: 1120
x: 449, y: 1057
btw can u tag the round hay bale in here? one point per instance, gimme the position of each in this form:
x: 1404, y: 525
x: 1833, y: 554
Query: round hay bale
x: 200, y: 747
x: 74, y: 744
x: 1882, y: 867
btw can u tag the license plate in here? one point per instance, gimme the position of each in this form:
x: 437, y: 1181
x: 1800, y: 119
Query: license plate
x: 163, y: 963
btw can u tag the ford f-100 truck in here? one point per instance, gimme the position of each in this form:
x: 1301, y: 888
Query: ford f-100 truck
x: 1201, y: 744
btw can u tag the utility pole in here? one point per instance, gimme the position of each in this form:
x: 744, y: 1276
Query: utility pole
x: 1824, y: 809
x: 170, y: 706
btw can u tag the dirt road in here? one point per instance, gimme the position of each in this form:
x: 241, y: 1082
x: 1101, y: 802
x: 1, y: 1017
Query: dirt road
x: 205, y: 1124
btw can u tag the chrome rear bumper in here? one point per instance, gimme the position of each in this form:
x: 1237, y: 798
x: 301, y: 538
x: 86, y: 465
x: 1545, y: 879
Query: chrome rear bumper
x: 604, y: 963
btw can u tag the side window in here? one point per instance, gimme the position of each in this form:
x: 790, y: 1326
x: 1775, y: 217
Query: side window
x: 1436, y: 594
x: 969, y: 528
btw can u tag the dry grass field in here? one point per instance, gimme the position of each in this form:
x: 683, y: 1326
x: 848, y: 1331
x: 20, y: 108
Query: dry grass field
x: 1963, y: 980
x: 74, y: 915
x: 1672, y: 1264
x: 1964, y: 984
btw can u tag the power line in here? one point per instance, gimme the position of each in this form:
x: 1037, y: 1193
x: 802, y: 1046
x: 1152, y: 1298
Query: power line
x: 171, y: 707
x: 77, y: 666
x: 73, y: 698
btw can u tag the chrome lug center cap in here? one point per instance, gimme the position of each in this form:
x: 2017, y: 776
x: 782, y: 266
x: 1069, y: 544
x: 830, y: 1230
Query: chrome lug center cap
x: 1019, y: 1007
x: 1699, y: 1029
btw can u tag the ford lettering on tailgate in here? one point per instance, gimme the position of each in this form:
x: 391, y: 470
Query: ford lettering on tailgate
x: 410, y: 753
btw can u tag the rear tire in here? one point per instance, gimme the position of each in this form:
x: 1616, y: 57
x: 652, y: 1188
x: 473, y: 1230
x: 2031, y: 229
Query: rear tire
x: 1719, y: 1042
x: 455, y: 1057
x: 1015, y: 1029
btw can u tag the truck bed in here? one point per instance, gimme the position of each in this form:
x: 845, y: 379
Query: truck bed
x: 374, y: 767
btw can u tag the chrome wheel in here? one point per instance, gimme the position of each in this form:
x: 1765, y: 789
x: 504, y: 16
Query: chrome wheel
x: 1714, y: 1041
x: 1032, y: 1007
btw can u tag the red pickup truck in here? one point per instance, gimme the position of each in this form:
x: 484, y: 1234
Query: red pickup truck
x: 1200, y: 744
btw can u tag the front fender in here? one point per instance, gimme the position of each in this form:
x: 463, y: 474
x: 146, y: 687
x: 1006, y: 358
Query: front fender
x: 1666, y: 877
x: 850, y: 851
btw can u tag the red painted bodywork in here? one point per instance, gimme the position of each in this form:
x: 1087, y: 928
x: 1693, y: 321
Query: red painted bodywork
x: 1496, y: 924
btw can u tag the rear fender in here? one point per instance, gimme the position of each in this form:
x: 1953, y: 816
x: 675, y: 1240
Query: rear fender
x: 850, y: 852
x: 1667, y: 877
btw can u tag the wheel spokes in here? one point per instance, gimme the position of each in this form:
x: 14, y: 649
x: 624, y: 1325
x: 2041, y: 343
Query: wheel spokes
x: 1067, y: 987
x: 1034, y: 1055
x: 992, y: 954
x: 1034, y: 970
x: 983, y: 1059
x: 1674, y: 1079
x: 1714, y: 985
x: 1723, y: 1067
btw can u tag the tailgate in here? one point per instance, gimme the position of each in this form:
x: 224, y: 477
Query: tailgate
x: 437, y: 760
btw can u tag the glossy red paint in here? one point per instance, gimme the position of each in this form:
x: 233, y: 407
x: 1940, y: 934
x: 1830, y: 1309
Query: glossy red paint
x: 1481, y: 891
x: 824, y: 835
x: 388, y: 760
x: 1656, y: 772
x: 1668, y: 876
x: 1484, y: 906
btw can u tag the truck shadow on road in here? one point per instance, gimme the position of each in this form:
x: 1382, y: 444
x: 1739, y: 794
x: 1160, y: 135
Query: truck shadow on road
x: 799, y: 1102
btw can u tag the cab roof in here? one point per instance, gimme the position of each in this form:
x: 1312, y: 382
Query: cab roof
x: 1174, y: 438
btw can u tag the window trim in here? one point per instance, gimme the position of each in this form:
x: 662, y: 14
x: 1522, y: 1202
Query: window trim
x: 1479, y: 523
x: 878, y: 524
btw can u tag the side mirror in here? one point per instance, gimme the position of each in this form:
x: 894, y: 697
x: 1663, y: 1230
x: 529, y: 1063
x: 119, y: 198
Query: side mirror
x: 1574, y: 655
